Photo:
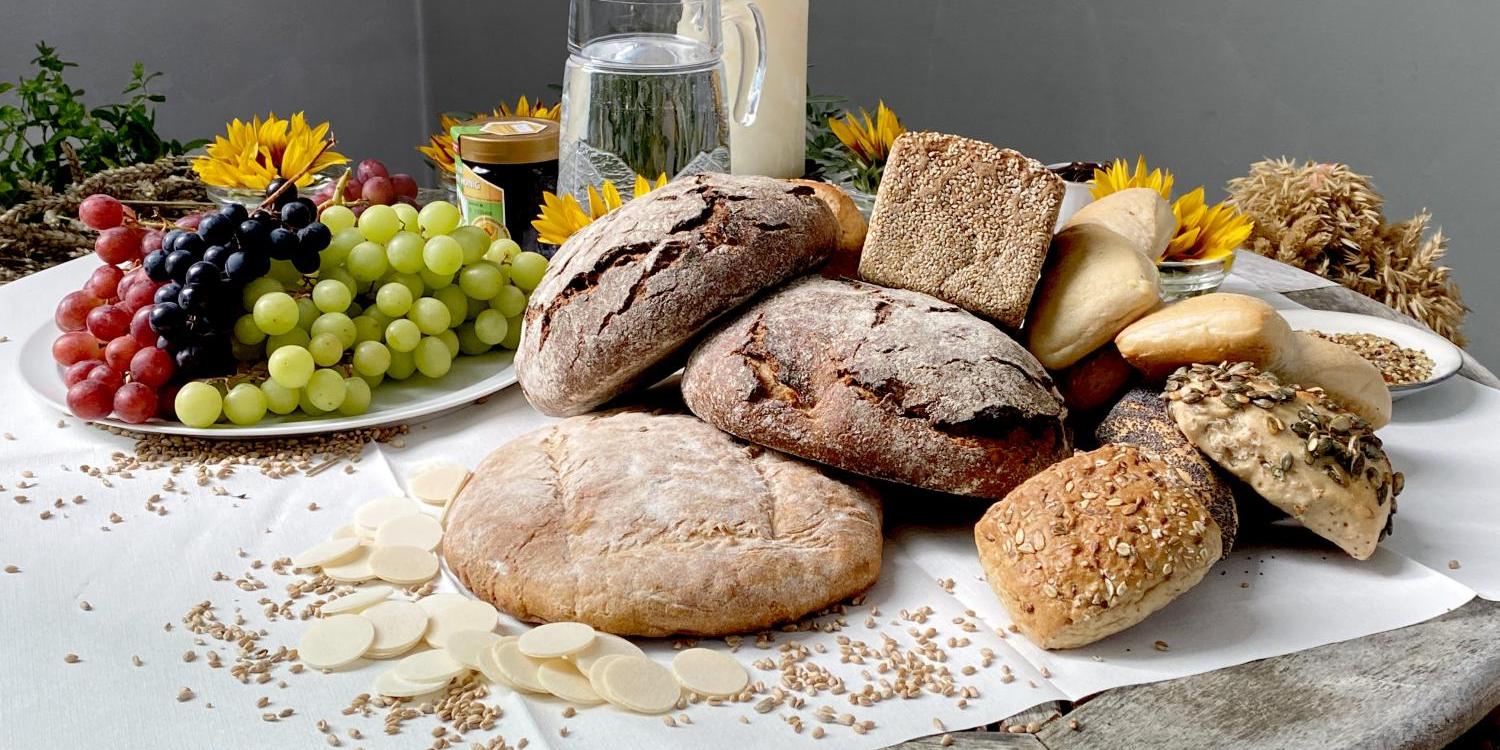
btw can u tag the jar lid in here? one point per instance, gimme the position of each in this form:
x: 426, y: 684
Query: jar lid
x: 506, y: 140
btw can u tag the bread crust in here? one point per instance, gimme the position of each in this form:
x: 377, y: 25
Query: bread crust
x: 1093, y: 545
x: 963, y: 221
x: 882, y: 382
x: 652, y: 523
x: 852, y: 228
x: 630, y: 291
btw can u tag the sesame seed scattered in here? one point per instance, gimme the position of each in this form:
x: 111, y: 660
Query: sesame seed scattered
x: 71, y: 658
x: 12, y: 569
x: 136, y: 660
x: 1160, y: 646
x: 1453, y: 565
x: 184, y: 695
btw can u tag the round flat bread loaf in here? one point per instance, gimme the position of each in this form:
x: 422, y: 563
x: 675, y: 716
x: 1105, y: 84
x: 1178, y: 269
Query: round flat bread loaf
x: 646, y: 523
x: 1093, y: 545
x: 883, y: 382
x: 630, y: 290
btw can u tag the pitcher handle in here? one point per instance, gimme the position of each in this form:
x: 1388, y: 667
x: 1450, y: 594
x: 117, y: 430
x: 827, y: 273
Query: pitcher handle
x: 747, y: 89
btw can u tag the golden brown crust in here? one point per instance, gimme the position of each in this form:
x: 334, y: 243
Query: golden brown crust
x: 651, y: 524
x: 1093, y: 545
x: 1215, y: 327
x: 1140, y: 418
x: 963, y: 221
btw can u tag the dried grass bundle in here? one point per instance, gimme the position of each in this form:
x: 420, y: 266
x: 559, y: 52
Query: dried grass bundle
x: 42, y: 232
x: 1327, y: 219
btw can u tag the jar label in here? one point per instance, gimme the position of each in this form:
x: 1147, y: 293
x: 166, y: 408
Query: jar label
x: 482, y: 202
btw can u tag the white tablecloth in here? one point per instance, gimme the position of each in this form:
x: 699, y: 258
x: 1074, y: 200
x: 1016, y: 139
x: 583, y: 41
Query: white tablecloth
x: 145, y: 571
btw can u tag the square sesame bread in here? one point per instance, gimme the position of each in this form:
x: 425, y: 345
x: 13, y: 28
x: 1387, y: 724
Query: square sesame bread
x: 963, y: 221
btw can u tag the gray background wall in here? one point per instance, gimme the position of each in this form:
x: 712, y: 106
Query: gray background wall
x: 1406, y: 92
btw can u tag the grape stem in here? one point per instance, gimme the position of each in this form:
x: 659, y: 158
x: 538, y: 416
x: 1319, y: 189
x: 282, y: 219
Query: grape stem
x: 305, y: 171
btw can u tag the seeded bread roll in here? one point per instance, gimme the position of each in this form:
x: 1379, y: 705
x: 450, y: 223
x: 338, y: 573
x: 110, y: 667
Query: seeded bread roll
x: 1297, y: 448
x: 1094, y: 284
x: 1140, y: 418
x: 653, y: 524
x: 625, y: 295
x: 1223, y: 327
x: 1140, y: 215
x: 963, y: 221
x: 882, y: 382
x: 1093, y: 545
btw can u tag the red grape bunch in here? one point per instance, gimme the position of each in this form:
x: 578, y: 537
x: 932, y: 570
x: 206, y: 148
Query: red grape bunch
x: 162, y: 307
x: 372, y: 184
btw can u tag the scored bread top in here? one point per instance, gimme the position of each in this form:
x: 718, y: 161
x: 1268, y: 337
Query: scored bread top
x: 630, y: 290
x: 884, y: 382
x: 1094, y: 544
x: 653, y: 523
x: 964, y: 221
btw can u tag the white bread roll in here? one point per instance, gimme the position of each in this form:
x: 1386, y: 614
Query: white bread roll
x: 1224, y: 327
x: 1351, y: 380
x: 1094, y: 284
x: 1140, y: 215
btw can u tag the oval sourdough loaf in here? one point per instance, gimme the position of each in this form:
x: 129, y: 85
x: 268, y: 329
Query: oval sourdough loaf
x: 1140, y: 418
x: 1093, y: 545
x: 632, y: 289
x: 883, y: 382
x: 652, y: 523
x: 963, y: 221
x: 1301, y: 451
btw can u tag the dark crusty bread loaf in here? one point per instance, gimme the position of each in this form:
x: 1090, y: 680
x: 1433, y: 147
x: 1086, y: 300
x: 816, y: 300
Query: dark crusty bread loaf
x: 883, y: 382
x: 630, y: 290
x: 963, y: 221
x: 1141, y: 419
x: 1093, y: 545
x: 652, y: 523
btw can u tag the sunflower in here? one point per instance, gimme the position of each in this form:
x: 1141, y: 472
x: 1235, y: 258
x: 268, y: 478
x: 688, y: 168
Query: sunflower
x: 1117, y: 177
x: 524, y: 108
x: 1206, y: 232
x: 252, y: 154
x: 562, y: 217
x: 869, y: 140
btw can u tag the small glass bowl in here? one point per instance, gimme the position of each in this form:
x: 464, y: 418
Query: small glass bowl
x: 250, y: 197
x: 864, y: 201
x: 1181, y: 279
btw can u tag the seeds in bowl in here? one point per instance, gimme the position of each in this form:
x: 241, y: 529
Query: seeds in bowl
x: 1398, y: 365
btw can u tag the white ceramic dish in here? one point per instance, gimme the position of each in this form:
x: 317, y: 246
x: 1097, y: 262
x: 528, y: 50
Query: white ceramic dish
x: 1446, y: 358
x: 393, y: 402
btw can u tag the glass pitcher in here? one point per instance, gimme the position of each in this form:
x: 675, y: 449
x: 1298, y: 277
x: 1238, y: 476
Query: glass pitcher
x: 643, y: 92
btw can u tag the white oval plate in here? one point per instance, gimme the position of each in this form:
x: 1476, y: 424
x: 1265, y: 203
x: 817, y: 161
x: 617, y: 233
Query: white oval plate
x: 1446, y: 358
x: 392, y: 402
